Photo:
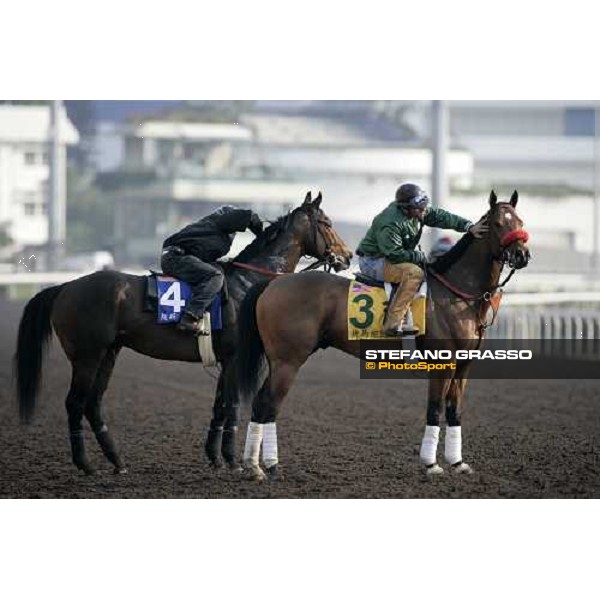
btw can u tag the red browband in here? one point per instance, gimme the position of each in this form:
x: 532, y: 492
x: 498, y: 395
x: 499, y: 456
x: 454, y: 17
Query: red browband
x: 514, y: 236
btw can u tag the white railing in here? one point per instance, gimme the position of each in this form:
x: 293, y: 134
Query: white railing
x: 547, y: 324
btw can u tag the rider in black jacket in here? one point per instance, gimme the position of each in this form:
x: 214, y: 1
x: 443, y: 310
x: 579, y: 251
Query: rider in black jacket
x: 188, y: 255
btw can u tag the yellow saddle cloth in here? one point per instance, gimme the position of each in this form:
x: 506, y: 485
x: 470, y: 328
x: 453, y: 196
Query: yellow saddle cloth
x: 366, y: 310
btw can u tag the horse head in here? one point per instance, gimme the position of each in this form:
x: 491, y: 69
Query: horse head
x: 318, y: 237
x: 508, y: 239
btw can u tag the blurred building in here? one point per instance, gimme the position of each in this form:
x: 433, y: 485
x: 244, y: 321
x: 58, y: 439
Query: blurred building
x: 177, y: 166
x: 519, y: 143
x: 24, y: 170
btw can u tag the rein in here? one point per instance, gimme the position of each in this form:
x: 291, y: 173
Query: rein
x: 465, y: 295
x: 507, y: 239
x: 318, y: 263
x: 255, y: 269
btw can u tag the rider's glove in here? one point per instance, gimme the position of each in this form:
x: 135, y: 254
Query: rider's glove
x: 419, y: 258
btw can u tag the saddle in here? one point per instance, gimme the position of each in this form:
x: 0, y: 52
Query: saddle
x: 368, y: 301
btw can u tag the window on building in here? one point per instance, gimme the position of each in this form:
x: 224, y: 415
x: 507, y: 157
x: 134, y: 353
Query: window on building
x: 30, y: 158
x: 580, y: 121
x: 29, y: 208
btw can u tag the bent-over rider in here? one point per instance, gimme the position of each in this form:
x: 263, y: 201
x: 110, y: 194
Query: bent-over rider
x: 190, y: 255
x: 389, y: 252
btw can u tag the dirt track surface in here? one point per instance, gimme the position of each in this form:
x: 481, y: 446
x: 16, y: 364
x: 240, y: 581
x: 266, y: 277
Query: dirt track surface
x: 339, y: 437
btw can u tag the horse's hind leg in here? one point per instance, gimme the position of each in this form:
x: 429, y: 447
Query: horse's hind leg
x: 82, y: 381
x: 262, y: 427
x: 223, y: 426
x: 214, y: 439
x: 93, y: 410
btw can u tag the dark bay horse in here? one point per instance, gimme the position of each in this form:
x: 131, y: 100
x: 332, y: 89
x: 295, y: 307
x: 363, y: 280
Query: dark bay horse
x: 98, y: 314
x: 288, y: 319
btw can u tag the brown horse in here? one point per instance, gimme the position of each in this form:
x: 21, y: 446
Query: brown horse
x: 97, y: 315
x: 290, y: 318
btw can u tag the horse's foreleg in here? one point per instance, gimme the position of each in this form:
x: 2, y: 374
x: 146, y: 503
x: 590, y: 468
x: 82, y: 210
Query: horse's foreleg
x: 453, y: 441
x: 438, y: 389
x: 93, y: 410
x: 230, y: 434
x: 262, y: 429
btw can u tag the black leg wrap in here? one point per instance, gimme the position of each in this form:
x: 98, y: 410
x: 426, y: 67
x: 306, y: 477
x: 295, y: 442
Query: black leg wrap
x: 78, y: 452
x: 228, y: 445
x: 213, y: 444
x: 108, y: 446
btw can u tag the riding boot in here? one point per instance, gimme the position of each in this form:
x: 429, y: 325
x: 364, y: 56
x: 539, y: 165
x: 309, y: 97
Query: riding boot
x: 189, y: 322
x: 409, y: 277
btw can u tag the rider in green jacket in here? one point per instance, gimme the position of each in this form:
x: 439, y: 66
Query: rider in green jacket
x: 389, y: 250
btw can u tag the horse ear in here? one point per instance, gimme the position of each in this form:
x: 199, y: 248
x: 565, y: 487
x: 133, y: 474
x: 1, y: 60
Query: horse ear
x: 317, y: 200
x: 493, y: 199
x: 514, y: 198
x: 308, y: 198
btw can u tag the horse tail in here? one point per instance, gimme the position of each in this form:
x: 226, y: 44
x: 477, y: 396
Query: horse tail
x: 34, y: 334
x: 250, y: 352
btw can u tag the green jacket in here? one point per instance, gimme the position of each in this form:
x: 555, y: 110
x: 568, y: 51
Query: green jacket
x: 394, y: 236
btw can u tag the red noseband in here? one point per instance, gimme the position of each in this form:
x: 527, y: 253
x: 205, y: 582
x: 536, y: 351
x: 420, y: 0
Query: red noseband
x: 514, y: 236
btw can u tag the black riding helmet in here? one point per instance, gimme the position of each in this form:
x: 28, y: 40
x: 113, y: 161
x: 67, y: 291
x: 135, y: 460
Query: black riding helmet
x: 410, y: 195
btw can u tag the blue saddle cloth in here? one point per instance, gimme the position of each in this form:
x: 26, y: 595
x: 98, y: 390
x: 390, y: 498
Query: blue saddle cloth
x: 173, y: 295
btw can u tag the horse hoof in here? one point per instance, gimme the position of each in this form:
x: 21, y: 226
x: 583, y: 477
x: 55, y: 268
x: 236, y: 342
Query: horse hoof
x: 87, y: 469
x: 235, y: 468
x: 215, y: 464
x: 434, y: 470
x: 255, y: 473
x: 274, y: 473
x: 462, y: 469
x: 120, y: 471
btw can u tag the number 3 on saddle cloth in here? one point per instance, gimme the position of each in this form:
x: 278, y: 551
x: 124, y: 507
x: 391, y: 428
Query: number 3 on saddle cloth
x: 367, y: 303
x: 169, y: 297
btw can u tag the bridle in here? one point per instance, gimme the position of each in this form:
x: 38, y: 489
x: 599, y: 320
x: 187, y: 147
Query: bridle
x: 510, y: 237
x: 328, y: 258
x: 503, y: 257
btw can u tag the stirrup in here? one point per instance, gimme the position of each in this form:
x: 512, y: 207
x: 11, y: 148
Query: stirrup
x: 399, y: 332
x: 189, y: 323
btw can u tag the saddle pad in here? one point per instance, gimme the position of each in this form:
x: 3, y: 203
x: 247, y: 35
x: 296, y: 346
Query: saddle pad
x: 173, y: 295
x: 366, y: 311
x: 367, y: 306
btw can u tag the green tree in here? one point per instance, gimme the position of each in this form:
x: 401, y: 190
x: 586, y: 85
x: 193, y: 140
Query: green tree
x: 89, y: 215
x: 5, y: 239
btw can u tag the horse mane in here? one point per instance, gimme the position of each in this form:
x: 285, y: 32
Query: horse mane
x: 446, y: 260
x: 266, y: 237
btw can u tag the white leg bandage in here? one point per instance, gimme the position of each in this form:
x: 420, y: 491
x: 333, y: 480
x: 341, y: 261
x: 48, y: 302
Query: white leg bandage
x: 453, y: 450
x: 254, y: 437
x: 429, y: 445
x: 269, y: 445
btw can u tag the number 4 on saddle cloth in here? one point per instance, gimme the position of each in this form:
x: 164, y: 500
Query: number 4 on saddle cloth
x: 169, y: 297
x: 367, y: 303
